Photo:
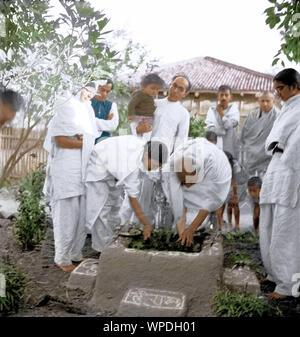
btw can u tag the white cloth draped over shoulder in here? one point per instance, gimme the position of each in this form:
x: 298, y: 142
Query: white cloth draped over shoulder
x: 280, y: 201
x: 255, y: 131
x: 225, y: 128
x: 67, y: 166
x: 282, y: 181
x: 213, y: 178
x: 284, y: 132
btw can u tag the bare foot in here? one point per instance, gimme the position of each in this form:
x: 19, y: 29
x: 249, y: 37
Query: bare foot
x: 276, y: 296
x: 230, y: 225
x: 237, y: 227
x: 82, y: 260
x: 66, y: 269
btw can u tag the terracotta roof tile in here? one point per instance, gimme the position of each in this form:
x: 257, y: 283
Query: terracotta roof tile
x: 208, y: 73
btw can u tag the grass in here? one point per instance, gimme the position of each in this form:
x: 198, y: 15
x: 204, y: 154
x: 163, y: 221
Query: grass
x: 15, y: 289
x: 233, y: 238
x: 236, y: 259
x: 166, y: 240
x: 233, y: 304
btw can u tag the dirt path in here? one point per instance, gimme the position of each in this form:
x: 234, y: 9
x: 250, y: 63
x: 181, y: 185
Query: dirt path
x: 47, y: 294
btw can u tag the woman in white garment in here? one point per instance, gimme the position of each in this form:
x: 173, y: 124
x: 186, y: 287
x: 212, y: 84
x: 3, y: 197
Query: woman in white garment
x: 70, y: 140
x: 199, y: 178
x: 280, y: 194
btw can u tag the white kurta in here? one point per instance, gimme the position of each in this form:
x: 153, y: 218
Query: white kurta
x: 115, y: 163
x: 171, y: 126
x: 225, y: 128
x: 171, y: 123
x: 65, y: 172
x: 280, y: 201
x: 108, y: 125
x: 212, y: 186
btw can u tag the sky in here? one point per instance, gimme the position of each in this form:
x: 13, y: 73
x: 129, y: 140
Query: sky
x: 173, y: 30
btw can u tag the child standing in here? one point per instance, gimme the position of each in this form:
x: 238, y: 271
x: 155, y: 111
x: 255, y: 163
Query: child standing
x: 142, y: 106
x: 254, y: 186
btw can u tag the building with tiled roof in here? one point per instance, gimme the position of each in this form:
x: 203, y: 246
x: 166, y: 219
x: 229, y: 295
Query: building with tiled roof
x: 206, y: 75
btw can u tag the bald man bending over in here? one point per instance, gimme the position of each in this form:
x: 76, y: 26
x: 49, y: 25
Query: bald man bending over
x: 255, y: 131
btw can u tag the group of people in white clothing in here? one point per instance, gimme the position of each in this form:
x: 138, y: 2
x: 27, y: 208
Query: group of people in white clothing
x: 89, y: 170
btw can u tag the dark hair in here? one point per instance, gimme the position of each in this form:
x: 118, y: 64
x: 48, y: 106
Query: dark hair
x: 184, y: 76
x: 224, y: 87
x: 289, y: 77
x: 230, y: 158
x: 152, y: 78
x: 211, y: 135
x: 255, y: 181
x: 14, y: 99
x: 108, y: 81
x: 157, y: 151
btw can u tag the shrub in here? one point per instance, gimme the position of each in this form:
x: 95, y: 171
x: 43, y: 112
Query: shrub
x: 233, y: 238
x: 166, y: 240
x: 31, y: 218
x: 197, y: 127
x: 15, y: 289
x: 233, y: 304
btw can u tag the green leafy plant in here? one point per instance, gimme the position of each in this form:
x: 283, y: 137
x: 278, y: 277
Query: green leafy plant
x: 166, y: 240
x: 232, y: 304
x: 236, y: 259
x: 14, y: 289
x: 285, y: 16
x: 31, y: 218
x: 197, y: 127
x: 233, y: 238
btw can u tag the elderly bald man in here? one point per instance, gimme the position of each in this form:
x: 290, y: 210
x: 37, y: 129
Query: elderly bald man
x: 255, y: 131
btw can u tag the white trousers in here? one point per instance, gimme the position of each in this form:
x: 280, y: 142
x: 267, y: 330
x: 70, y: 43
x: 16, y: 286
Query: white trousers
x: 280, y: 245
x: 68, y: 217
x: 103, y: 206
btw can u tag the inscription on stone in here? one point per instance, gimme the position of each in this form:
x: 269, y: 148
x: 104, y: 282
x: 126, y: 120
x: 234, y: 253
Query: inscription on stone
x: 88, y: 267
x: 154, y: 298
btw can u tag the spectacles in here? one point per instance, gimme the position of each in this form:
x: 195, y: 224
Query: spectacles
x: 280, y: 88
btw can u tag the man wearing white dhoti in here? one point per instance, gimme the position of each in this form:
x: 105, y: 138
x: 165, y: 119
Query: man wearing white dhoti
x: 255, y: 131
x: 171, y: 125
x: 280, y: 193
x: 117, y: 162
x: 70, y: 140
x: 223, y: 120
x: 199, y: 179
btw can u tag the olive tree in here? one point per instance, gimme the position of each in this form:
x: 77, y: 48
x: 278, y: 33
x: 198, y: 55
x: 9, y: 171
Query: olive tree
x: 43, y: 57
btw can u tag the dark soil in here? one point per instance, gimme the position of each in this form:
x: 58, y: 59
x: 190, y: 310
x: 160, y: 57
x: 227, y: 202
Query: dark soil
x: 46, y: 292
x: 167, y: 240
x: 290, y: 306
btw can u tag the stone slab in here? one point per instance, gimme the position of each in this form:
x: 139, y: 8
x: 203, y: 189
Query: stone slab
x: 142, y: 302
x: 197, y: 275
x: 241, y: 279
x: 84, y: 276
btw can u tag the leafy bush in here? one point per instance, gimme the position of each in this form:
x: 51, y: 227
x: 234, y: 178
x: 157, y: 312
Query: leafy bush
x: 124, y: 125
x: 31, y: 218
x: 237, y: 259
x: 197, y: 127
x: 232, y: 238
x: 232, y: 304
x: 166, y: 240
x: 15, y: 289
